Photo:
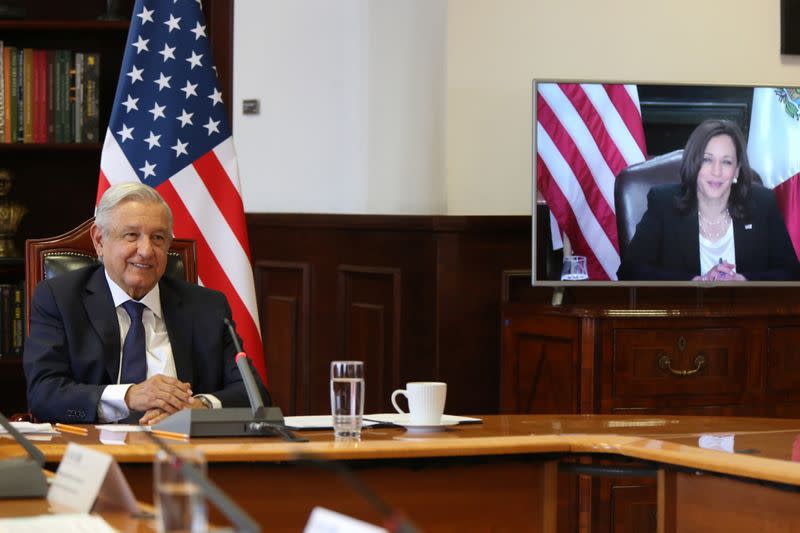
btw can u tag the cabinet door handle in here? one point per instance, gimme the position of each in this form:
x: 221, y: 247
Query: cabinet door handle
x: 665, y: 363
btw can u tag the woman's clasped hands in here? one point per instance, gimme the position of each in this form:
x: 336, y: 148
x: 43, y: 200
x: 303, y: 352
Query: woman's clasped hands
x: 722, y: 271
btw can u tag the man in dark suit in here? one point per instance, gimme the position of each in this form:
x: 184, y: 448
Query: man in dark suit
x: 90, y: 357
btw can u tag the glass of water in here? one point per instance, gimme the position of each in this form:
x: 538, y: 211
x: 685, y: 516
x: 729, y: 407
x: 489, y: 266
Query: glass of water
x: 180, y: 504
x: 347, y: 398
x: 574, y: 268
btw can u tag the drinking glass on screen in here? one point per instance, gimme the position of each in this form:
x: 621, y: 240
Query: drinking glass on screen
x: 180, y: 504
x: 574, y: 268
x: 347, y: 398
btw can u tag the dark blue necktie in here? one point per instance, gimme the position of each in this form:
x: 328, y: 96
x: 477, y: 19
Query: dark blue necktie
x: 134, y: 360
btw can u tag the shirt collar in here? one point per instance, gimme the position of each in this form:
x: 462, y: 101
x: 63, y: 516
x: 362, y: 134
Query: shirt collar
x: 151, y: 300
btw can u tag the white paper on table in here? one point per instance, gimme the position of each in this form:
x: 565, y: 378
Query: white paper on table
x: 314, y: 422
x: 402, y: 419
x: 324, y: 520
x: 29, y: 428
x: 122, y: 428
x: 63, y: 523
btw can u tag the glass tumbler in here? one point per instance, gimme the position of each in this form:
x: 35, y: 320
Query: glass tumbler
x: 347, y: 398
x: 180, y: 504
x: 574, y: 268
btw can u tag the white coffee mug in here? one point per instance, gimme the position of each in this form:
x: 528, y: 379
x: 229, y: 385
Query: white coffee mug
x: 425, y: 402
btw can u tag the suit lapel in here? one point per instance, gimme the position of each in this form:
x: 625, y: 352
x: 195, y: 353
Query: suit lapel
x: 744, y: 241
x: 179, y: 328
x: 689, y: 230
x: 97, y: 301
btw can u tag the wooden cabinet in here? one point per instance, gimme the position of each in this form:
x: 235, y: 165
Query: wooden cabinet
x: 715, y: 360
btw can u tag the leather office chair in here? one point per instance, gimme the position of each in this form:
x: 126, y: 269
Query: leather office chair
x: 48, y: 257
x: 631, y: 188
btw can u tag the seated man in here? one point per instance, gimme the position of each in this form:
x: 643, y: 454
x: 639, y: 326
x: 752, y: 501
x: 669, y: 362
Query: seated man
x: 120, y: 341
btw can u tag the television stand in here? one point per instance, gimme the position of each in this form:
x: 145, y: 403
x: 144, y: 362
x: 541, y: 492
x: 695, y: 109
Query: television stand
x: 558, y: 296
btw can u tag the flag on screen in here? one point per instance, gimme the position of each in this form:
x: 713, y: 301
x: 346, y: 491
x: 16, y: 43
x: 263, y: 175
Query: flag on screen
x: 773, y: 148
x: 168, y: 129
x: 586, y: 134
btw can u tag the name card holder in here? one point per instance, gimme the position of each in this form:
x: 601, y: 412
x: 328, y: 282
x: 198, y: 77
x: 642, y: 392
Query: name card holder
x: 88, y: 480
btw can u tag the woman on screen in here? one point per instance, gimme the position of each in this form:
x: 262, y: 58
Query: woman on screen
x: 718, y: 224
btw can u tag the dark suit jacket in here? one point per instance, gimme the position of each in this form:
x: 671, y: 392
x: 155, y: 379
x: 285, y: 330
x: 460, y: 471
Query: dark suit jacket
x: 666, y: 246
x: 73, y: 349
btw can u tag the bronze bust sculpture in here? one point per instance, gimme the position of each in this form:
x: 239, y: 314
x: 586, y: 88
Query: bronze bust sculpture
x: 11, y: 213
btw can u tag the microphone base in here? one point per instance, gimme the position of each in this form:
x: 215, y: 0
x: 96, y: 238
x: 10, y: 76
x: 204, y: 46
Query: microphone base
x: 22, y: 478
x: 226, y: 422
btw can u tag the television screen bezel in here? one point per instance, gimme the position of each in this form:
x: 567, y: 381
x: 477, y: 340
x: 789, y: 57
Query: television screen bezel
x: 628, y: 283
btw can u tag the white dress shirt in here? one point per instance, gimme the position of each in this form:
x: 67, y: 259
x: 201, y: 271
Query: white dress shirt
x: 711, y: 252
x: 112, y: 405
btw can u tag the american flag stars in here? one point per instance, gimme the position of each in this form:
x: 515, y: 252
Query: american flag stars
x: 172, y: 60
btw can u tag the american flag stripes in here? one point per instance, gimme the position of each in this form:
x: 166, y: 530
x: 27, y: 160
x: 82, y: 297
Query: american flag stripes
x: 585, y: 135
x: 168, y: 129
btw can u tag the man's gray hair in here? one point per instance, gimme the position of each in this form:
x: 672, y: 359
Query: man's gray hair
x: 126, y: 192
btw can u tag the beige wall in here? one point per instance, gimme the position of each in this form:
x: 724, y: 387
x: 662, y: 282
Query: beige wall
x: 497, y: 47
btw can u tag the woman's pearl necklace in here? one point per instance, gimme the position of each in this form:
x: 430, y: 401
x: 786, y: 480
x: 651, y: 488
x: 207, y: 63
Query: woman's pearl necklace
x: 708, y: 228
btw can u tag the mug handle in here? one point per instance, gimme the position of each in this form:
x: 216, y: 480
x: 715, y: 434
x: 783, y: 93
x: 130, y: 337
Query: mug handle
x: 395, y: 394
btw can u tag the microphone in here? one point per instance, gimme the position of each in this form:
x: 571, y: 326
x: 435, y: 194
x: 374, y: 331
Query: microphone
x: 22, y: 477
x: 232, y: 421
x: 240, y: 519
x: 253, y: 394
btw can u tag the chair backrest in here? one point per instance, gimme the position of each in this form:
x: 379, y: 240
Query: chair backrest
x: 48, y: 257
x: 631, y: 188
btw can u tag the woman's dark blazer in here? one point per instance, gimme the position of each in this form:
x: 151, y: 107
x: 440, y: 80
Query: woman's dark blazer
x: 666, y: 246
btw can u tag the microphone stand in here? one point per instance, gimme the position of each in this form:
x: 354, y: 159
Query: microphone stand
x: 257, y: 420
x: 260, y: 421
x: 22, y: 477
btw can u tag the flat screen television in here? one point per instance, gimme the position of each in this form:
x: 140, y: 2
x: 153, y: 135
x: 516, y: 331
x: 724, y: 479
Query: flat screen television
x: 590, y: 137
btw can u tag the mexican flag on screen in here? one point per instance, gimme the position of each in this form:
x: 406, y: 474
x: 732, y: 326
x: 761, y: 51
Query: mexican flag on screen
x: 774, y: 150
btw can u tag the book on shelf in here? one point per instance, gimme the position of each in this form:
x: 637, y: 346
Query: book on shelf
x: 13, y: 100
x: 50, y: 95
x: 77, y: 92
x: 12, y: 319
x: 7, y: 50
x: 2, y: 93
x: 63, y: 59
x: 91, y: 98
x: 20, y: 95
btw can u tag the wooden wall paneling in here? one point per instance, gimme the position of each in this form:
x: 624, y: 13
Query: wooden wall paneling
x: 447, y: 326
x: 473, y: 254
x: 327, y: 242
x: 370, y: 308
x: 540, y: 365
x: 283, y: 288
x: 783, y: 361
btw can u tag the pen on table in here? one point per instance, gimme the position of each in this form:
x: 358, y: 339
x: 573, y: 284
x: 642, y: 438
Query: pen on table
x: 169, y: 434
x: 76, y: 430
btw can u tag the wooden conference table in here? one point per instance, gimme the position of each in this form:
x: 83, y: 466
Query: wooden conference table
x: 34, y: 507
x: 500, y: 475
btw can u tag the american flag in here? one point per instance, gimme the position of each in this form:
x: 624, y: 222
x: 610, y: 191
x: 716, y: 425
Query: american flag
x: 168, y: 129
x: 586, y: 134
